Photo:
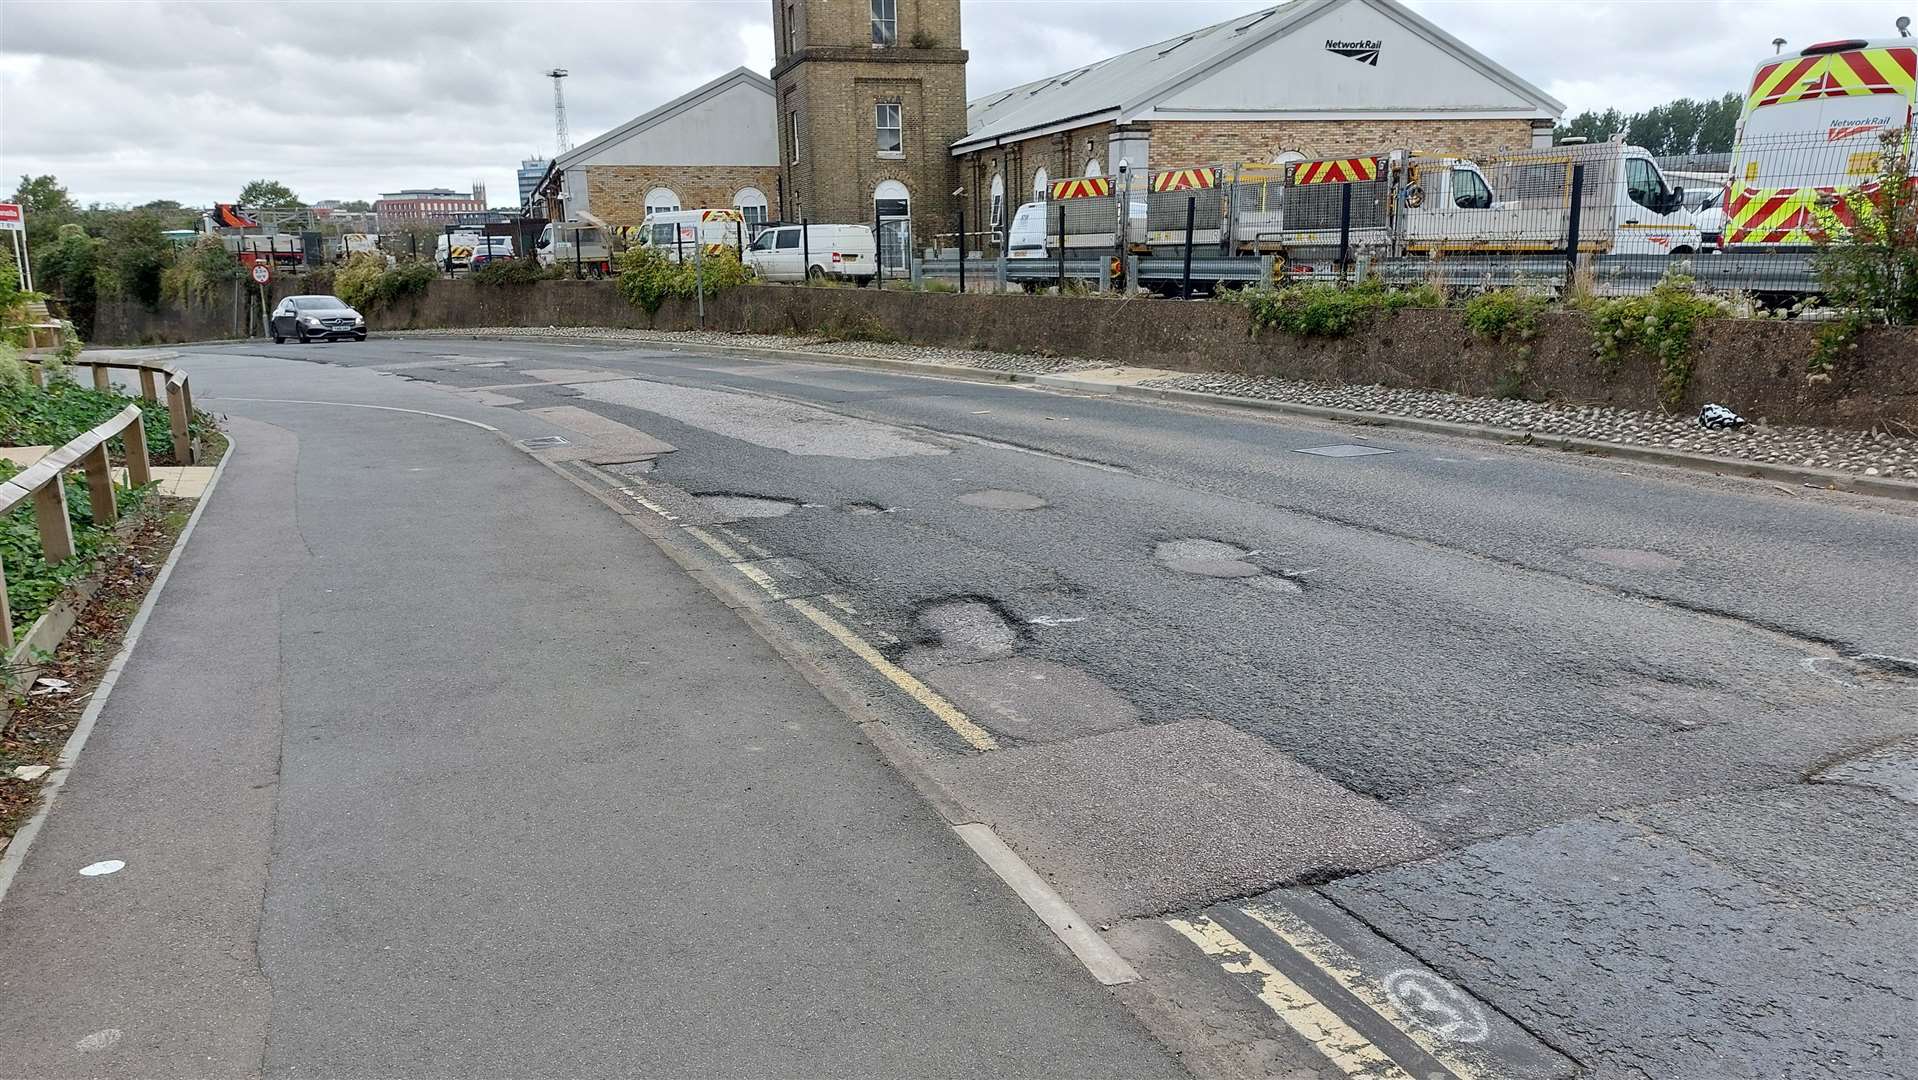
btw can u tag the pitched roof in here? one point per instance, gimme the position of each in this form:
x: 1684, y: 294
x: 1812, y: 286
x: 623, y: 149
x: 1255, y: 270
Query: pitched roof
x: 1119, y: 86
x: 680, y: 104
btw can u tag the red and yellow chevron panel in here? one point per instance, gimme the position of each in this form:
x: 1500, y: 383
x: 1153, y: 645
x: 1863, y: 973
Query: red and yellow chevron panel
x: 1081, y: 187
x: 721, y: 215
x: 1336, y: 171
x: 1847, y: 74
x: 1184, y: 179
x: 1787, y: 215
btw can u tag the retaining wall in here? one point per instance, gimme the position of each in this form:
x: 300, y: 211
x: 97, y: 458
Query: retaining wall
x: 1756, y: 367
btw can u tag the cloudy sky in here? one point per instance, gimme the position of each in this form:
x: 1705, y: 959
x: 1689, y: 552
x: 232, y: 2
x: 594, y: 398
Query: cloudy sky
x: 127, y: 102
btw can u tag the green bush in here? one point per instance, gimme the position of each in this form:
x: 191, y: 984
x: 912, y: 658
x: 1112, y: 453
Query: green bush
x: 647, y: 277
x: 1659, y: 325
x: 200, y: 271
x: 367, y: 285
x: 1315, y: 309
x: 1869, y: 267
x: 523, y: 271
x: 1504, y: 314
x: 33, y: 416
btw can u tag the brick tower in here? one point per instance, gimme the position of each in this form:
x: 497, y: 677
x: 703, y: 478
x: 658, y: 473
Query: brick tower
x: 872, y: 94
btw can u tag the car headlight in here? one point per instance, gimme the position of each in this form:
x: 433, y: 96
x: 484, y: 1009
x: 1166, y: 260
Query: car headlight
x: 311, y: 321
x: 359, y: 320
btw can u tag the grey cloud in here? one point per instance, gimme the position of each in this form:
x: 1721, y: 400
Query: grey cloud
x: 133, y: 101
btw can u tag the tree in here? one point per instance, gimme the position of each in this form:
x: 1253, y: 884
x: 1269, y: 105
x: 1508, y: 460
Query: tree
x: 1685, y: 126
x: 47, y: 207
x: 268, y: 195
x: 356, y: 206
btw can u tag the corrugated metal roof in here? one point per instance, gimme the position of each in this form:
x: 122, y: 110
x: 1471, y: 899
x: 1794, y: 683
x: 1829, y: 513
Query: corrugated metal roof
x: 1107, y: 85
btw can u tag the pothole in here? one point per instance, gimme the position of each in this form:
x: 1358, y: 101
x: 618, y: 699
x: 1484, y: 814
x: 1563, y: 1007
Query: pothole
x: 1629, y: 558
x: 1207, y: 558
x: 1870, y: 671
x: 748, y: 506
x: 866, y: 508
x: 967, y: 629
x: 1891, y: 769
x: 999, y: 499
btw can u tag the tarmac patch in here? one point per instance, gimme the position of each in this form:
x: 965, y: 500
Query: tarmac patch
x: 997, y: 499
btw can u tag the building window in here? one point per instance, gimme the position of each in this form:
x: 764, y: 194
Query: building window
x: 1092, y: 166
x: 662, y: 200
x: 1040, y: 190
x: 886, y: 122
x: 792, y: 27
x: 892, y: 209
x: 751, y: 204
x: 885, y: 22
x: 998, y: 200
x: 792, y: 125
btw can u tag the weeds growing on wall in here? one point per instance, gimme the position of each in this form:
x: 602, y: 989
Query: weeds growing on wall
x: 521, y: 271
x: 1867, y: 259
x: 366, y: 284
x: 1660, y: 325
x: 1324, y: 310
x: 1509, y: 317
x: 647, y: 277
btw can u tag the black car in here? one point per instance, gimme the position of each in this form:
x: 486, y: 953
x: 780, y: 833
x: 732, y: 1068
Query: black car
x: 315, y: 318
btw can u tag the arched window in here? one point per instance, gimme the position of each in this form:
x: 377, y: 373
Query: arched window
x: 661, y: 200
x: 892, y: 206
x: 998, y: 200
x: 1040, y: 187
x: 751, y: 204
x: 1092, y: 168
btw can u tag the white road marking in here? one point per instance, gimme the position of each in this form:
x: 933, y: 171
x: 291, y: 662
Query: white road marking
x: 104, y: 1039
x: 357, y: 405
x: 103, y: 867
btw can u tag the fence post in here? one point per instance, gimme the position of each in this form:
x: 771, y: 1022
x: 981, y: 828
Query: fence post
x: 699, y: 276
x: 102, y: 379
x: 1571, y: 225
x: 50, y: 514
x: 99, y: 485
x: 579, y: 273
x: 1191, y: 214
x: 962, y: 244
x: 805, y: 251
x: 139, y: 465
x: 1345, y: 227
x: 878, y: 250
x: 179, y: 422
x: 679, y: 247
x: 146, y: 385
x: 1062, y: 246
x: 6, y: 613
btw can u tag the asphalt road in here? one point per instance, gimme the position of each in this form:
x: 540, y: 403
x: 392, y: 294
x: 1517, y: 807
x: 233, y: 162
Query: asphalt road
x: 1612, y: 766
x: 429, y: 766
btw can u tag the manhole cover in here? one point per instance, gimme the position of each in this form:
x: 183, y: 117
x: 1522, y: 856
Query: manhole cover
x: 1345, y: 450
x: 544, y: 442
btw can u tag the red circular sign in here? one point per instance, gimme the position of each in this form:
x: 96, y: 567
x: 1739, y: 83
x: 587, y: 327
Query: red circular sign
x: 261, y: 274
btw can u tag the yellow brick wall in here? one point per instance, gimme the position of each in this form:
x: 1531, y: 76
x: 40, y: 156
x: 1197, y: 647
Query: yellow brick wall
x: 1183, y: 143
x: 616, y: 194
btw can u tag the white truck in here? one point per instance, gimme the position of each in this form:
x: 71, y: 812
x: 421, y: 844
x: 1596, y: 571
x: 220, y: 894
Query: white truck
x: 570, y: 244
x: 455, y: 251
x: 1812, y: 132
x: 789, y: 253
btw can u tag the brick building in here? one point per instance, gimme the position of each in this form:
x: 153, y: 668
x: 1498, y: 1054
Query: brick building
x: 1305, y: 79
x: 437, y: 205
x: 716, y: 146
x: 871, y: 96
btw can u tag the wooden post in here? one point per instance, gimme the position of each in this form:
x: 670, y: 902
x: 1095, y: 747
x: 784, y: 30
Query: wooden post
x: 50, y: 514
x: 182, y: 432
x: 139, y: 465
x: 102, y: 379
x: 6, y: 613
x: 100, y: 485
x: 147, y: 389
x: 39, y: 374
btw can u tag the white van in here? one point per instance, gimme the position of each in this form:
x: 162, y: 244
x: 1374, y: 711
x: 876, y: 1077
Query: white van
x: 1812, y: 133
x: 782, y: 254
x: 1035, y: 228
x: 676, y: 232
x: 455, y: 251
x: 555, y: 247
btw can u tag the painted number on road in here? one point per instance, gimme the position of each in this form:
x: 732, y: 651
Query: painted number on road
x: 1437, y: 1006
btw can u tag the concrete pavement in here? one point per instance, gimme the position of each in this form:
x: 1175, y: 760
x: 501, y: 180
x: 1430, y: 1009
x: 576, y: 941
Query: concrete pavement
x: 429, y: 766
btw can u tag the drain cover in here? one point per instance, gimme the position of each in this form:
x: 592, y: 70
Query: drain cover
x: 544, y: 442
x: 1345, y: 450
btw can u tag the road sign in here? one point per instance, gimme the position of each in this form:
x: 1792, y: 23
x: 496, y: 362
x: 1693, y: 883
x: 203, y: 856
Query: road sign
x: 261, y: 275
x: 12, y: 218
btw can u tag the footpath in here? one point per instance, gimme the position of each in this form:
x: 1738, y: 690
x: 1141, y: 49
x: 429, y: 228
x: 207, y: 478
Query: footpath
x: 426, y: 765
